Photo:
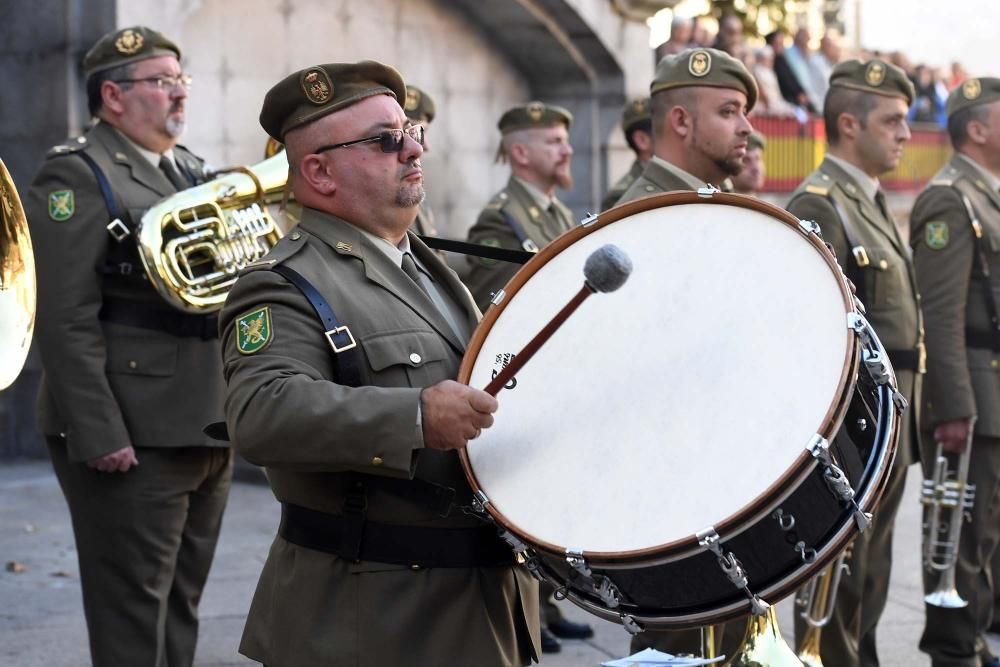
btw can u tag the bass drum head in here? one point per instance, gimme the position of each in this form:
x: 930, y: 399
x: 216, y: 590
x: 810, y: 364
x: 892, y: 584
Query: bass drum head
x: 674, y: 403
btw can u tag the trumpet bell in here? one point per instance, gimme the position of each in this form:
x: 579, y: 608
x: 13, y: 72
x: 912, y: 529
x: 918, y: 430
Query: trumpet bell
x: 17, y: 282
x: 763, y: 645
x: 194, y: 243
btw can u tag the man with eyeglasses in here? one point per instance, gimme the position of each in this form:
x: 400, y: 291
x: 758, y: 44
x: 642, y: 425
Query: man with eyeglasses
x: 340, y: 347
x: 128, y: 381
x: 526, y: 214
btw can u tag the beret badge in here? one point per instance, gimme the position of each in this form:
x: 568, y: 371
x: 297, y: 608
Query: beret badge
x: 412, y: 99
x: 875, y: 73
x: 700, y: 63
x: 535, y: 110
x: 972, y: 89
x: 317, y: 86
x: 129, y: 42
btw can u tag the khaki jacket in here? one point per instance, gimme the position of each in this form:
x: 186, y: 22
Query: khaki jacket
x: 962, y: 380
x: 655, y: 179
x: 492, y: 228
x: 286, y: 411
x: 621, y: 185
x: 888, y: 284
x: 107, y: 385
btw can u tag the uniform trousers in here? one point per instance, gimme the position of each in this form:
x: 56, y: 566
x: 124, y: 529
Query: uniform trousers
x: 849, y: 638
x: 955, y: 637
x: 145, y: 541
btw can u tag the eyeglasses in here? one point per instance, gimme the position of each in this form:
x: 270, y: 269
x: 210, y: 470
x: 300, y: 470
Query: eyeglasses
x: 163, y: 81
x: 390, y: 141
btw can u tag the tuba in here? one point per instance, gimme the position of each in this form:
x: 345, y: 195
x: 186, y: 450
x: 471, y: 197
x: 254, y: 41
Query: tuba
x: 194, y: 243
x: 17, y: 282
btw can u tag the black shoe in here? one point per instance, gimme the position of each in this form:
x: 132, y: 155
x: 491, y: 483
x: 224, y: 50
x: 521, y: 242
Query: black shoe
x: 549, y: 642
x: 570, y: 630
x: 995, y: 662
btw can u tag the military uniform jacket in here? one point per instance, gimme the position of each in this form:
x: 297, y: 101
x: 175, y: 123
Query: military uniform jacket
x: 887, y: 284
x: 493, y: 227
x: 285, y: 410
x: 623, y: 183
x: 656, y: 179
x: 962, y: 380
x: 106, y: 385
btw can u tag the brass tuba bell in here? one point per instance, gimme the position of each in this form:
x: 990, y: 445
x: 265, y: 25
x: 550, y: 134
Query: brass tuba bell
x: 194, y: 243
x: 17, y: 282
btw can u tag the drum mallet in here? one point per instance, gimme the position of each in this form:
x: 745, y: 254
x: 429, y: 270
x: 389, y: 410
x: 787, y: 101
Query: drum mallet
x: 605, y: 270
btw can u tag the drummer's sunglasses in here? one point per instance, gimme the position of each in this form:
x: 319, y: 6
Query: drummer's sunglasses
x: 390, y: 141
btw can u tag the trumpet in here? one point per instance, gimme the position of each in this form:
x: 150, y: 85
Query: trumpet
x: 946, y: 493
x: 817, y: 602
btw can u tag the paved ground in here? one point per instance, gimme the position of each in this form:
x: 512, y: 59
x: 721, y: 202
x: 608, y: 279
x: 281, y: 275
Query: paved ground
x: 41, y: 622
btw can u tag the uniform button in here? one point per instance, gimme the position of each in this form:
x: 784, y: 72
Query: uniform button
x: 994, y: 363
x: 376, y: 460
x: 296, y: 236
x: 133, y: 365
x: 415, y: 358
x: 883, y: 265
x: 650, y: 188
x: 414, y: 567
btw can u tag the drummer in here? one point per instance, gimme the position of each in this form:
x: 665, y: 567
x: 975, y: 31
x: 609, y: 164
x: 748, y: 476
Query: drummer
x: 339, y: 348
x: 699, y: 104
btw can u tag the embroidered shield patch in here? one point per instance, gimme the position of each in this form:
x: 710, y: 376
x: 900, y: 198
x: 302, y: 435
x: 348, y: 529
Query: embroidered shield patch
x: 253, y: 331
x: 62, y: 204
x: 936, y: 236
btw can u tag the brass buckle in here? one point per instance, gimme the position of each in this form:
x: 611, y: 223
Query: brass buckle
x: 119, y: 232
x: 337, y: 332
x: 529, y: 246
x: 860, y: 255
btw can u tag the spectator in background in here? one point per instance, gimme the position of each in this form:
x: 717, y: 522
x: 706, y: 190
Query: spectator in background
x: 701, y: 32
x: 680, y: 37
x: 797, y: 56
x: 730, y: 38
x: 958, y: 75
x: 788, y: 83
x: 771, y: 103
x: 822, y: 62
x: 750, y: 180
x: 928, y: 105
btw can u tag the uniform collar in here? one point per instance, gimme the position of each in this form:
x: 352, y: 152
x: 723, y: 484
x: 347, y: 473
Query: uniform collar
x: 687, y: 177
x: 869, y: 186
x: 542, y: 199
x: 151, y: 156
x: 991, y: 181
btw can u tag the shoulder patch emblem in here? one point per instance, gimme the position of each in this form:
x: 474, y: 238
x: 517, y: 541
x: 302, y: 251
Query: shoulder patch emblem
x: 62, y: 205
x: 253, y: 331
x: 936, y: 235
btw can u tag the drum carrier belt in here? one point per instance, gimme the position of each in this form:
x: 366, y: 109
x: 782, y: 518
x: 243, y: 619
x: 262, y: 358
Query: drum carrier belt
x: 123, y: 261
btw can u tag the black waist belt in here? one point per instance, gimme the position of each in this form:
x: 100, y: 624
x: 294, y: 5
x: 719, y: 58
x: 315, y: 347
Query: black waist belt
x: 988, y: 340
x: 905, y: 360
x: 159, y: 317
x: 387, y: 543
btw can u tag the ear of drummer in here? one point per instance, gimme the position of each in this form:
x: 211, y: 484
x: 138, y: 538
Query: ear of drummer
x: 308, y: 172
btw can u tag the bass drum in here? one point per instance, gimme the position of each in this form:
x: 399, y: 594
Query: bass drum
x: 701, y: 441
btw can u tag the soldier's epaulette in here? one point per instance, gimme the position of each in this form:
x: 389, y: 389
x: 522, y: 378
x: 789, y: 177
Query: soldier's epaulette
x: 67, y: 148
x: 814, y: 189
x: 290, y: 244
x: 499, y: 200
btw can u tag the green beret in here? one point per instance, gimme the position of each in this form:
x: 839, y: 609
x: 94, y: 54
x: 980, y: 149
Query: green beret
x: 875, y: 76
x: 125, y: 46
x: 635, y: 112
x: 534, y: 114
x: 314, y: 92
x: 704, y: 67
x: 419, y: 105
x: 973, y: 92
x: 756, y: 140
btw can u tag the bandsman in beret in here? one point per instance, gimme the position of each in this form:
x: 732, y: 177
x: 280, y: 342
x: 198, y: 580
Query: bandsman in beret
x: 340, y: 351
x: 750, y: 180
x: 638, y: 130
x: 699, y: 100
x: 526, y: 214
x: 955, y: 227
x: 420, y: 108
x: 864, y: 113
x: 128, y: 381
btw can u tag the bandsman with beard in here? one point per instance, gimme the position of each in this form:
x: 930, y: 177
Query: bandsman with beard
x: 128, y: 382
x: 526, y: 214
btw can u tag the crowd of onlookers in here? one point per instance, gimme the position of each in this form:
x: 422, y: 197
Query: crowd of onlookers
x: 792, y: 77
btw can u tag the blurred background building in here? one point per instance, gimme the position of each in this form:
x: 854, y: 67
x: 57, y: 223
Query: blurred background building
x: 476, y: 58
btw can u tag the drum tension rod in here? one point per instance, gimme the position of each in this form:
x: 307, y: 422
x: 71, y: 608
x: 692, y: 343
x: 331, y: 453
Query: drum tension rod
x: 731, y: 567
x: 602, y: 586
x: 836, y: 480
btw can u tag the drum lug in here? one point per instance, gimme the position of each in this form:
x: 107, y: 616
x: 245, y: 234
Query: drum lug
x: 810, y: 227
x: 899, y: 401
x: 630, y: 624
x: 498, y: 297
x: 707, y: 192
x: 599, y: 584
x: 479, y: 503
x: 873, y: 355
x: 836, y: 480
x: 589, y: 219
x: 731, y: 567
